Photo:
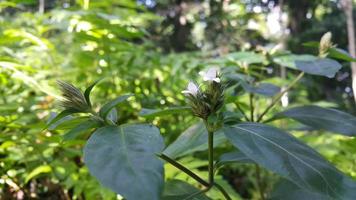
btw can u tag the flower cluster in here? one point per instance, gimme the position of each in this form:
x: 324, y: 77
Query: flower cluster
x: 209, y: 99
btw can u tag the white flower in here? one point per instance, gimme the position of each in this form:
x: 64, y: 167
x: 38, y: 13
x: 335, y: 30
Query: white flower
x: 192, y: 89
x: 210, y: 75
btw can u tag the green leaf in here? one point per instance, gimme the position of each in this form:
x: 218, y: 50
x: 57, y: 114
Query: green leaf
x: 104, y: 111
x: 123, y: 159
x: 232, y: 157
x: 310, y: 64
x: 81, y: 129
x: 285, y: 155
x: 289, y: 60
x: 112, y: 116
x: 88, y: 91
x: 195, y: 138
x: 321, y: 66
x: 60, y: 116
x: 180, y: 190
x: 145, y: 112
x: 286, y: 190
x: 322, y: 118
x: 37, y: 171
x: 265, y: 89
x: 341, y: 55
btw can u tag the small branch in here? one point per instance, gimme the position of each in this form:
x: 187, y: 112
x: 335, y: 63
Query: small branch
x: 243, y: 113
x: 222, y: 190
x: 279, y: 96
x: 184, y: 169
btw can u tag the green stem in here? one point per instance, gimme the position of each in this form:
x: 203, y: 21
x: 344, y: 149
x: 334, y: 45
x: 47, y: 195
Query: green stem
x: 259, y: 182
x: 184, y: 169
x: 211, y: 156
x: 279, y: 96
x: 242, y: 111
x: 222, y: 190
x: 252, y: 108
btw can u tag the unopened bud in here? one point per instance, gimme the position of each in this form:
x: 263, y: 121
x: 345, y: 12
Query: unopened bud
x: 73, y: 97
x: 325, y: 44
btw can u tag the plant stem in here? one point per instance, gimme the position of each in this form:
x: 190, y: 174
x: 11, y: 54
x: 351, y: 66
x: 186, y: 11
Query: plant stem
x: 184, y: 169
x: 279, y: 96
x: 240, y: 109
x: 251, y: 108
x: 211, y: 156
x: 226, y: 195
x: 259, y: 182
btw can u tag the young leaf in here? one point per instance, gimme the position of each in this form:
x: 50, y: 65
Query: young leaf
x: 180, y: 190
x: 123, y: 159
x: 322, y: 118
x: 341, y: 55
x: 195, y: 138
x: 88, y: 91
x: 80, y: 129
x: 112, y: 116
x: 285, y: 155
x: 104, y: 111
x: 60, y: 116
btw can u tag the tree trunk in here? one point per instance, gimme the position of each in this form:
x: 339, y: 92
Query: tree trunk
x: 347, y: 6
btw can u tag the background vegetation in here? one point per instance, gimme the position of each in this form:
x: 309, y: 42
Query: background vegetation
x: 150, y: 48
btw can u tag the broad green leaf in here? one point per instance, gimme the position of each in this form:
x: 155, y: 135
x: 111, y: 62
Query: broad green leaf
x: 80, y: 129
x: 321, y: 66
x: 322, y: 118
x: 145, y: 112
x: 37, y: 171
x: 123, y: 159
x: 290, y: 59
x: 265, y: 89
x: 286, y: 190
x: 232, y: 157
x: 104, y: 111
x: 180, y: 190
x: 285, y: 155
x: 195, y: 138
x: 310, y: 64
x: 88, y: 91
